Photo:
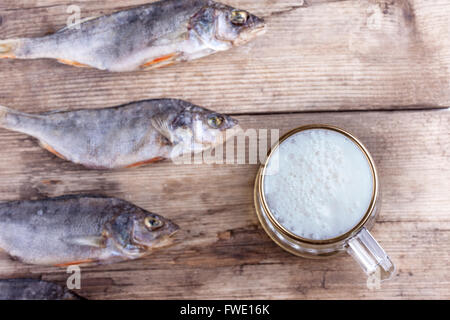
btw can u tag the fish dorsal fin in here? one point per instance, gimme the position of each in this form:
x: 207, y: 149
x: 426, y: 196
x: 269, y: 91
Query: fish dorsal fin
x: 90, y: 241
x: 161, y: 125
x: 72, y: 26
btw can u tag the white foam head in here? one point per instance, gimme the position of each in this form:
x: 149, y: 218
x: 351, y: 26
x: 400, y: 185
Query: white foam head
x: 323, y: 186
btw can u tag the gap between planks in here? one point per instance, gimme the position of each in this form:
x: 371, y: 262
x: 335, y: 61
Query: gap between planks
x: 420, y: 108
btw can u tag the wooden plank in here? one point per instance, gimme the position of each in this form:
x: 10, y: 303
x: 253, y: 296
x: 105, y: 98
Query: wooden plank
x: 222, y: 252
x: 326, y: 55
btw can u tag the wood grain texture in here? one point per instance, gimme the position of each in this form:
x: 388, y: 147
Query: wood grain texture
x: 222, y: 251
x: 317, y: 55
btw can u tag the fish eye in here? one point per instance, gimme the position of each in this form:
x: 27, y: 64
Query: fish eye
x: 239, y: 17
x: 153, y: 223
x: 215, y: 121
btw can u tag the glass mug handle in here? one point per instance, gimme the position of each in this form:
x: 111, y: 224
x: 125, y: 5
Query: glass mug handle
x: 370, y: 255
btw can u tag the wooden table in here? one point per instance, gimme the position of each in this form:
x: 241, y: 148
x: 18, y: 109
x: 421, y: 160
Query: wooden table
x: 379, y: 68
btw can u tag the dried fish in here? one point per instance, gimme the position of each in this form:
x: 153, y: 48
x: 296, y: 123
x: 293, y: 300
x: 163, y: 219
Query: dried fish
x: 80, y: 229
x: 145, y: 37
x: 126, y: 136
x: 34, y: 289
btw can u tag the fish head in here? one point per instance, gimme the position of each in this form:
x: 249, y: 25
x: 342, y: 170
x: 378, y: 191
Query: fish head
x: 197, y: 129
x: 153, y: 231
x: 135, y: 234
x: 221, y: 27
x: 238, y: 26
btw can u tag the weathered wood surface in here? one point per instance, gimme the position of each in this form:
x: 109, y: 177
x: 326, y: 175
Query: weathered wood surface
x: 326, y: 55
x: 223, y: 252
x: 317, y: 55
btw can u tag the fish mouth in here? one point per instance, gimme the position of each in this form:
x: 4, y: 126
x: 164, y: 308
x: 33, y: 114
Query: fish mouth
x: 231, y: 123
x: 259, y: 30
x: 251, y: 33
x: 233, y: 131
x: 164, y: 242
x: 168, y: 239
x: 174, y: 232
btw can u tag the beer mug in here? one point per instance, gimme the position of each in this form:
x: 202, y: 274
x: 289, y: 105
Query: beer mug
x: 298, y: 160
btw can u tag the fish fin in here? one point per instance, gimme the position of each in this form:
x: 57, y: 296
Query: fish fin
x: 8, y: 48
x: 77, y: 24
x: 74, y: 263
x: 50, y: 149
x: 3, y: 113
x: 142, y: 163
x: 90, y: 241
x: 5, y: 121
x: 161, y: 125
x: 73, y: 63
x: 163, y: 61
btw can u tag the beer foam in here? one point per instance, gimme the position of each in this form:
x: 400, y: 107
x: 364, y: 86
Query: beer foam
x: 322, y: 186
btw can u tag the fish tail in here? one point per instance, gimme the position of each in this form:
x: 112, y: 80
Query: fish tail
x: 9, y: 117
x: 8, y: 48
x: 14, y: 120
x: 3, y: 115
